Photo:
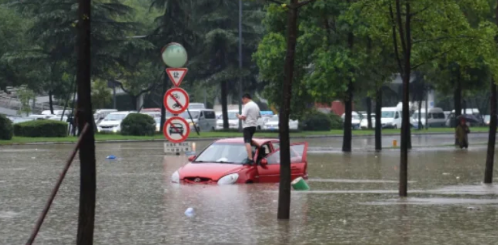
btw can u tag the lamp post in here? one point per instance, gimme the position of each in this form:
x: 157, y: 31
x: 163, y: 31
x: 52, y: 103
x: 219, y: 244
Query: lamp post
x: 240, y: 62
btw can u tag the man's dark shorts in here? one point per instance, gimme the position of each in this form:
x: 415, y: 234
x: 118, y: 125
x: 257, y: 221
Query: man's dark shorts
x: 248, y: 133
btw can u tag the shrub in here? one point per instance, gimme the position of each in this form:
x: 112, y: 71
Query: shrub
x: 6, y: 131
x: 138, y: 125
x: 335, y: 121
x: 41, y: 128
x: 316, y: 121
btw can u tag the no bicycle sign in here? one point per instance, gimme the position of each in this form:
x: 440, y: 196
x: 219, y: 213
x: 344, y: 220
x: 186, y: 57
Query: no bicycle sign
x: 176, y: 100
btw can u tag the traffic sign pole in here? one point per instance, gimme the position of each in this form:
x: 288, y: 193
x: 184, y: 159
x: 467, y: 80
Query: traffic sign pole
x: 176, y: 100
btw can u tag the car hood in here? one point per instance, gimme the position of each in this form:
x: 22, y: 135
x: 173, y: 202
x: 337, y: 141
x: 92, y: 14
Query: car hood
x: 214, y: 171
x: 109, y: 123
x: 272, y: 123
x: 386, y: 120
x: 230, y: 121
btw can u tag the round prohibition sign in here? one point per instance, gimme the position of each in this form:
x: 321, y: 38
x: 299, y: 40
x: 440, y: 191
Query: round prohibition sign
x: 176, y: 100
x: 176, y: 129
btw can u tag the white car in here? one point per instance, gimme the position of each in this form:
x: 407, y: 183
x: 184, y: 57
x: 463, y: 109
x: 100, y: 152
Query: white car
x: 272, y: 124
x: 233, y: 121
x: 112, y: 122
x: 364, y: 122
x: 355, y: 120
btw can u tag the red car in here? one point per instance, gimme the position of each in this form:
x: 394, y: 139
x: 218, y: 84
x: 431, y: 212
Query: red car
x: 222, y: 163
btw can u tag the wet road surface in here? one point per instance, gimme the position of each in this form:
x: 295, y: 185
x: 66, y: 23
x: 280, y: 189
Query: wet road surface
x: 353, y: 198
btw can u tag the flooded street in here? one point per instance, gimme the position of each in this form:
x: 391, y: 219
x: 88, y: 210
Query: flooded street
x: 353, y: 198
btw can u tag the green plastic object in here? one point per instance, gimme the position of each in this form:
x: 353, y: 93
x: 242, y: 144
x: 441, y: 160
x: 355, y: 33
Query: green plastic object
x: 174, y: 55
x: 300, y: 185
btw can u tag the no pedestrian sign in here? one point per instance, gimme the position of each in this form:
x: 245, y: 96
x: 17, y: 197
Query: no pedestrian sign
x: 176, y: 75
x: 176, y: 100
x: 176, y: 129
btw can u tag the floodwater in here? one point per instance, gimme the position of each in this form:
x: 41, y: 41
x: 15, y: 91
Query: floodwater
x: 353, y: 198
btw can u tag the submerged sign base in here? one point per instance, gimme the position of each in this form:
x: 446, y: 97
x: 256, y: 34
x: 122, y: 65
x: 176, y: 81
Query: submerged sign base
x: 177, y: 148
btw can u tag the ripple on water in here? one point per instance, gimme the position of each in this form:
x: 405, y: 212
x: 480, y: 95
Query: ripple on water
x: 433, y: 201
x: 8, y: 214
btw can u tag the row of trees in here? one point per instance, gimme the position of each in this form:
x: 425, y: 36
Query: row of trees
x: 338, y: 48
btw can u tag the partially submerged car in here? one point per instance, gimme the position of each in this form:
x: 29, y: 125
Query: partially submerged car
x: 222, y: 163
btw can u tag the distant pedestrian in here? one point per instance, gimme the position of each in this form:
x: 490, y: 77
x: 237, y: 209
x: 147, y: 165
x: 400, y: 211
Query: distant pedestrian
x: 462, y: 131
x: 249, y: 117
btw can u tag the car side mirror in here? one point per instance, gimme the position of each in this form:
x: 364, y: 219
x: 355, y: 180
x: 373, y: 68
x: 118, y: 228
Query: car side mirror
x: 191, y: 158
x: 263, y: 162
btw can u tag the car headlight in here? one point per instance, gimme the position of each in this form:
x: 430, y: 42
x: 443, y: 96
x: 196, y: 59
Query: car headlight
x: 228, y: 179
x: 175, y: 177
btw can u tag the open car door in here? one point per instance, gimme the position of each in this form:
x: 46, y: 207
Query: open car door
x: 299, y: 164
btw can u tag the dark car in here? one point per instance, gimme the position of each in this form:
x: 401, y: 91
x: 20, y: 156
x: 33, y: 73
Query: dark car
x: 176, y: 128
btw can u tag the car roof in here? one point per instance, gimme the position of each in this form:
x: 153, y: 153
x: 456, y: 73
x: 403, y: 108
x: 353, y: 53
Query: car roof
x: 241, y: 140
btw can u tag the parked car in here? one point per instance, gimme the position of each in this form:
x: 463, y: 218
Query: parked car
x: 222, y: 163
x: 355, y: 119
x: 272, y: 124
x: 204, y: 119
x: 435, y: 117
x: 112, y: 122
x: 233, y: 121
x: 364, y: 121
x: 100, y: 114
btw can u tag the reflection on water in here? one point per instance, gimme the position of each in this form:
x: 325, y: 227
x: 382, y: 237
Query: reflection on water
x: 353, y: 199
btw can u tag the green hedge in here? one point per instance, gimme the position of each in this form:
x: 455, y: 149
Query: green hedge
x: 41, y: 128
x: 335, y: 121
x: 316, y: 121
x: 6, y: 130
x: 138, y: 125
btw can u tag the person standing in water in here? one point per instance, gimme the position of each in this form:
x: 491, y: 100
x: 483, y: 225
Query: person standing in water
x: 249, y: 117
x: 462, y: 131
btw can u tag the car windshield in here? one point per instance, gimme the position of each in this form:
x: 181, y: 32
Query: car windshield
x: 274, y: 119
x: 233, y: 153
x: 115, y: 117
x: 387, y: 114
x: 232, y: 115
x: 355, y: 117
x: 195, y: 114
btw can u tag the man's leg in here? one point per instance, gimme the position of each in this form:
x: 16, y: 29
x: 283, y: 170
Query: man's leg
x: 247, y: 141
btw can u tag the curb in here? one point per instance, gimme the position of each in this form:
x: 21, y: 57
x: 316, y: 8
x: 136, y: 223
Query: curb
x: 215, y: 138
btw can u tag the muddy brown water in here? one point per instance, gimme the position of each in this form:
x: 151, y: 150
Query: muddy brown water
x: 353, y: 198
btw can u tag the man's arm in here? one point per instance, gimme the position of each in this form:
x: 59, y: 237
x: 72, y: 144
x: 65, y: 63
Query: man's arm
x: 244, y: 114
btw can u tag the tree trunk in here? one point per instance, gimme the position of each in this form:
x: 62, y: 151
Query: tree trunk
x: 420, y: 126
x: 224, y: 103
x: 369, y: 112
x: 405, y: 124
x: 346, y: 141
x: 457, y: 101
x: 378, y: 120
x: 163, y: 109
x: 50, y: 102
x: 284, y: 192
x: 490, y: 157
x: 134, y: 101
x: 86, y: 217
x: 427, y: 110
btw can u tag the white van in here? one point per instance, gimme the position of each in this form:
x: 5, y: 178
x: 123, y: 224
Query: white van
x: 390, y: 117
x: 203, y: 119
x: 112, y: 122
x: 435, y: 117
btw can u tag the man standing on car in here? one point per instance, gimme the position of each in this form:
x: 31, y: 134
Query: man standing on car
x: 249, y: 117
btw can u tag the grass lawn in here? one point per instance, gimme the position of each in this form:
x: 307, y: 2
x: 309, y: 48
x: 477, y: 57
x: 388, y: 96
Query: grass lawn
x: 193, y: 135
